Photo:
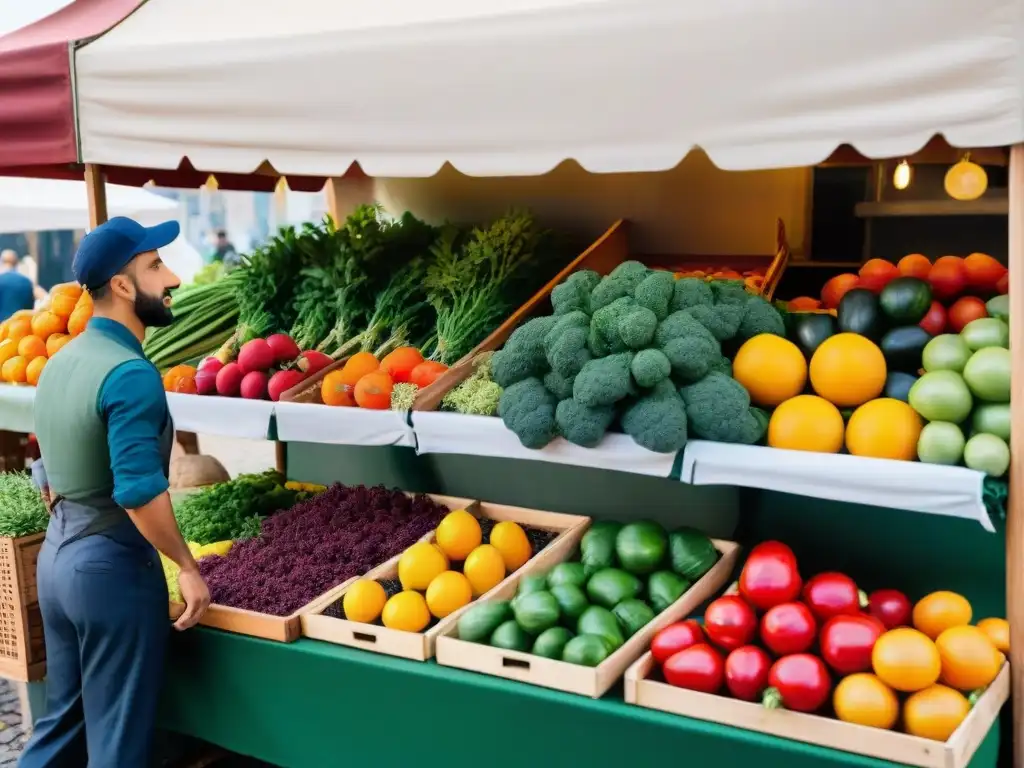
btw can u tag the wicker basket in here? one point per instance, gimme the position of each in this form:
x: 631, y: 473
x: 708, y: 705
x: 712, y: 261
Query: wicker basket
x: 22, y: 652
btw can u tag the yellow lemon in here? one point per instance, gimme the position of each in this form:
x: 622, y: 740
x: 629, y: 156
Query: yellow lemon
x: 406, y: 611
x: 447, y: 593
x: 458, y: 534
x: 364, y: 601
x: 510, y: 539
x: 419, y: 564
x: 485, y: 568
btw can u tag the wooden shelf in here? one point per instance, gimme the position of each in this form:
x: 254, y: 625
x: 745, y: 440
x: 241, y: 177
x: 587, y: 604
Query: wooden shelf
x: 986, y: 206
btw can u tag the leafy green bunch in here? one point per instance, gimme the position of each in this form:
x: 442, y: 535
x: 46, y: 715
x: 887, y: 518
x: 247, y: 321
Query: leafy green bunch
x: 22, y: 511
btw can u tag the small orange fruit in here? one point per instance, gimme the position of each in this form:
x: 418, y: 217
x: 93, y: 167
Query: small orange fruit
x: 63, y: 304
x: 185, y: 385
x: 937, y: 612
x: 172, y: 376
x: 935, y: 712
x: 3, y: 330
x: 84, y: 300
x: 334, y: 390
x: 18, y: 328
x: 969, y: 659
x: 14, y: 370
x: 357, y: 366
x: 56, y: 342
x: 998, y: 631
x: 33, y: 370
x: 79, y: 319
x: 8, y: 349
x: 373, y: 391
x: 45, y: 324
x: 399, y: 364
x: 31, y: 347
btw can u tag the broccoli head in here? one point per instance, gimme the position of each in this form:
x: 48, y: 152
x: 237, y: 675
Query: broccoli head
x: 760, y: 317
x: 565, y: 345
x: 523, y: 353
x: 655, y: 292
x: 622, y: 281
x: 528, y: 409
x: 722, y: 365
x: 657, y: 421
x: 604, y: 380
x: 723, y: 320
x: 582, y: 425
x: 718, y: 408
x: 605, y: 337
x: 637, y: 327
x: 680, y: 325
x: 729, y: 291
x: 573, y: 293
x: 690, y: 292
x: 649, y: 367
x: 762, y: 418
x: 558, y: 385
x: 691, y: 357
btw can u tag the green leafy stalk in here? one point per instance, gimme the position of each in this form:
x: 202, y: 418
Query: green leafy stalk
x: 22, y: 511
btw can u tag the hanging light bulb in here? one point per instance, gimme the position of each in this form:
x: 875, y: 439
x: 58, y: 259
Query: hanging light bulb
x: 966, y: 180
x: 902, y: 175
x: 211, y: 184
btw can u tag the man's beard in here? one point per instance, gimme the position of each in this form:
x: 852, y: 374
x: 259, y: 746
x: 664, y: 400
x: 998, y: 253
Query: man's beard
x: 151, y: 310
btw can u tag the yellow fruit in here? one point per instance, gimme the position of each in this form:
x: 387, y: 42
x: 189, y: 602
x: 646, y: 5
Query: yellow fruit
x: 806, y: 423
x: 34, y: 369
x: 458, y: 534
x: 406, y: 611
x: 969, y: 659
x: 219, y: 548
x: 364, y: 601
x: 8, y: 349
x: 447, y: 593
x: 848, y: 370
x: 998, y: 631
x: 420, y: 564
x: 937, y: 612
x: 884, y: 429
x: 772, y: 369
x: 485, y: 568
x: 935, y: 712
x: 511, y: 541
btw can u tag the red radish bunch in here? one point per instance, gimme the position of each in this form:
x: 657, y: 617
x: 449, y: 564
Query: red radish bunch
x: 265, y: 369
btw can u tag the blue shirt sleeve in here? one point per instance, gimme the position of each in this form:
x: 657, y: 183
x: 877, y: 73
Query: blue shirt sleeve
x: 134, y: 407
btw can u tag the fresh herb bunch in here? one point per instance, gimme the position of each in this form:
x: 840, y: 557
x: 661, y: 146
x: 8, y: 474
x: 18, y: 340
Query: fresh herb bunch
x: 22, y: 511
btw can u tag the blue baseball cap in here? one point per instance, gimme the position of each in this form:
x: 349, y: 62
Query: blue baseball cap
x: 107, y: 249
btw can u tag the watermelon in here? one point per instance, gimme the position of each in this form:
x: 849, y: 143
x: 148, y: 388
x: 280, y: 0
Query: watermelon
x: 905, y: 300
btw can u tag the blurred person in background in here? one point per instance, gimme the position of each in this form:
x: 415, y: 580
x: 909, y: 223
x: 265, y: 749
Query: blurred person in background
x: 223, y: 250
x: 16, y: 291
x: 28, y: 267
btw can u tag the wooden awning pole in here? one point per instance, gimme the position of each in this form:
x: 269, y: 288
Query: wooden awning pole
x: 96, y: 189
x: 1015, y: 504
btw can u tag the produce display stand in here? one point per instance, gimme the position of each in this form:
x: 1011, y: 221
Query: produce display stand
x: 22, y: 654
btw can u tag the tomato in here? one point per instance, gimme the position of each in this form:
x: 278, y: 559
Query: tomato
x: 947, y: 278
x: 799, y: 682
x: 698, y: 668
x: 906, y: 660
x: 865, y: 700
x: 746, y: 672
x: 833, y: 594
x: 675, y: 638
x: 969, y: 659
x: 1003, y: 286
x: 788, y: 628
x: 836, y: 288
x: 770, y: 576
x: 935, y: 321
x: 983, y: 272
x: 891, y: 607
x: 939, y: 611
x: 915, y: 265
x: 802, y: 304
x: 729, y: 622
x: 875, y: 274
x: 964, y: 310
x: 935, y: 712
x: 847, y: 642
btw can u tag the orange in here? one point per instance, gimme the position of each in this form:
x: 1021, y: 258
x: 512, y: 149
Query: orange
x: 74, y: 290
x: 772, y: 369
x: 334, y: 390
x: 46, y: 324
x: 512, y: 542
x: 364, y: 601
x: 915, y: 265
x: 934, y: 713
x: 84, y: 300
x: 998, y: 631
x: 884, y: 429
x: 18, y: 328
x: 56, y: 342
x: 458, y: 534
x: 937, y: 612
x: 485, y: 568
x: 969, y: 659
x: 420, y: 564
x: 406, y: 611
x: 906, y: 660
x: 63, y: 304
x: 79, y: 318
x: 3, y: 330
x: 834, y: 290
x: 8, y: 349
x: 865, y: 700
x: 14, y: 370
x: 33, y: 370
x: 399, y: 364
x: 373, y: 391
x: 806, y: 423
x: 172, y: 376
x: 357, y: 366
x: 848, y: 370
x: 32, y: 346
x: 185, y: 385
x: 448, y: 592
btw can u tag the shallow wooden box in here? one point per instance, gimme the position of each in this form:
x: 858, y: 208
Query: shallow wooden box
x: 575, y: 678
x: 284, y: 629
x: 824, y: 731
x: 22, y: 650
x: 420, y: 646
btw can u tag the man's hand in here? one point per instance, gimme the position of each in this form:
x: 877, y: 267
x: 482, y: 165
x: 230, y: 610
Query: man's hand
x: 195, y: 595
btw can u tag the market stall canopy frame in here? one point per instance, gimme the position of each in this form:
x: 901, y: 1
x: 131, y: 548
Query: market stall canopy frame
x: 515, y: 87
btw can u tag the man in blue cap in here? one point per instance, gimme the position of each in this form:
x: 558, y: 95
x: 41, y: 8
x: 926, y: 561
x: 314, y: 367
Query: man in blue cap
x: 105, y: 435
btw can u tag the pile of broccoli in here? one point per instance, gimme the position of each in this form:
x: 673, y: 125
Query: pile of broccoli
x: 637, y: 350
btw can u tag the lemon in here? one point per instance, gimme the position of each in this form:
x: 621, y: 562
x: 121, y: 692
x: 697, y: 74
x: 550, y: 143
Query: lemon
x: 510, y: 539
x: 485, y: 568
x: 458, y: 534
x: 419, y: 564
x: 406, y: 611
x: 447, y: 593
x: 364, y: 601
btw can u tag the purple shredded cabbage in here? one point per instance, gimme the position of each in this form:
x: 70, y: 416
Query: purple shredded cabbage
x: 302, y: 553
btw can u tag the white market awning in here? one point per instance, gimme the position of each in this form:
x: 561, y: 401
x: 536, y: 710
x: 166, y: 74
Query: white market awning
x: 515, y: 87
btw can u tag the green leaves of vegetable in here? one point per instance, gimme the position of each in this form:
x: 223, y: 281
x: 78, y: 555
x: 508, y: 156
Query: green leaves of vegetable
x: 22, y: 511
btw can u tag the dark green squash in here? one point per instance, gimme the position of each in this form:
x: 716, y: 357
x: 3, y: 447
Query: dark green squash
x: 898, y: 384
x: 859, y: 312
x: 905, y: 300
x: 809, y: 329
x: 902, y: 348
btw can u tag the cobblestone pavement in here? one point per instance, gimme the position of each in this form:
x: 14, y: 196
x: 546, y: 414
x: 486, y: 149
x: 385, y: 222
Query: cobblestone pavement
x: 12, y: 738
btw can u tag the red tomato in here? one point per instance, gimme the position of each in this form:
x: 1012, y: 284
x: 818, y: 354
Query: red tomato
x: 802, y: 304
x: 915, y: 265
x: 948, y: 277
x: 847, y: 642
x: 770, y: 576
x: 426, y: 373
x: 964, y: 310
x: 1003, y: 286
x: 746, y: 672
x: 799, y: 682
x: 891, y: 607
x: 935, y: 321
x: 729, y: 622
x: 788, y: 628
x: 875, y: 274
x: 836, y: 288
x: 833, y: 594
x: 983, y: 272
x: 675, y: 638
x: 698, y: 668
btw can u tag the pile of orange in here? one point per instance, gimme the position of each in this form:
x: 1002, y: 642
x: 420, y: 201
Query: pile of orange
x: 367, y: 382
x: 181, y: 378
x: 28, y: 339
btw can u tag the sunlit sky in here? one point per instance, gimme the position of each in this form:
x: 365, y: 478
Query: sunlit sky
x: 17, y: 13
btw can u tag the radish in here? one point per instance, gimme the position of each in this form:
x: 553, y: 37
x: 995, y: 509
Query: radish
x: 212, y: 363
x: 206, y: 379
x: 229, y: 380
x: 282, y: 381
x: 285, y: 350
x: 256, y: 355
x: 312, y: 361
x: 254, y: 386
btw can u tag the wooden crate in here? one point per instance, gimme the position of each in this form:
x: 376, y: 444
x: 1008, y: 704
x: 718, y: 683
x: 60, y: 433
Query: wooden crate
x: 22, y: 651
x: 420, y: 646
x: 283, y: 629
x: 574, y: 678
x: 823, y: 731
x: 308, y: 390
